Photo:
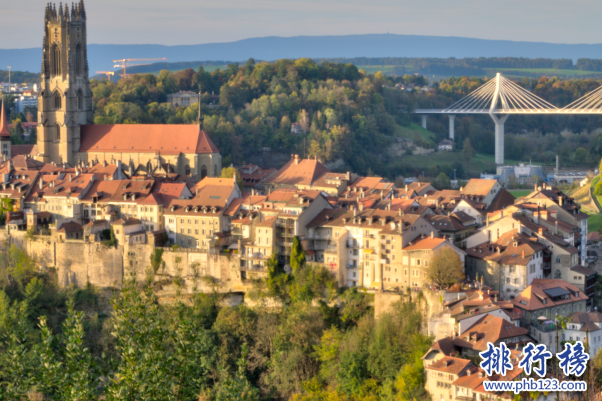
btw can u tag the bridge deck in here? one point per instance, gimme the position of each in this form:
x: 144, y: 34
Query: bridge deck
x: 503, y: 112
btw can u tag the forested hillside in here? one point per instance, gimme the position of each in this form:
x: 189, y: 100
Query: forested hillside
x: 346, y: 114
x: 78, y: 344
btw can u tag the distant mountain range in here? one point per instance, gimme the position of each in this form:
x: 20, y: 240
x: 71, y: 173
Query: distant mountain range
x: 272, y: 48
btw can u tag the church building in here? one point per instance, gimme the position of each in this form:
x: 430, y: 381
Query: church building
x: 66, y: 130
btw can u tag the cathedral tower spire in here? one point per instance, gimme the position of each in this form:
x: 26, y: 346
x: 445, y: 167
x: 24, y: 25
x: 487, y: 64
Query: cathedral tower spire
x: 65, y: 99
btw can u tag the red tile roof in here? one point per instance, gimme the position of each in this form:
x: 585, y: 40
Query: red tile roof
x: 489, y: 328
x: 146, y: 138
x: 478, y: 186
x: 532, y: 296
x: 305, y: 172
x: 27, y: 149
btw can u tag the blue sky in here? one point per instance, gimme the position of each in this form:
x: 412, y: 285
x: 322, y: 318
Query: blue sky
x: 176, y: 22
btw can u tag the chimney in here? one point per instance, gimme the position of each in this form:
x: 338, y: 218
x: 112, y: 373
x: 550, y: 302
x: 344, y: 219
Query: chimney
x: 296, y: 159
x: 495, y: 298
x: 487, y: 220
x: 523, y: 253
x: 432, y: 235
x: 234, y: 177
x: 536, y: 217
x: 361, y: 207
x: 348, y: 176
x: 70, y: 178
x: 41, y: 182
x: 556, y: 227
x: 354, y: 212
x: 406, y: 187
x: 560, y: 200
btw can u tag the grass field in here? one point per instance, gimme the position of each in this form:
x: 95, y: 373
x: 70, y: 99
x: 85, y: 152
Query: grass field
x: 517, y: 193
x: 594, y: 222
x: 416, y: 131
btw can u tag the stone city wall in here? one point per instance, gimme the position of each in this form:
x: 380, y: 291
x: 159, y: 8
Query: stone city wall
x: 79, y: 262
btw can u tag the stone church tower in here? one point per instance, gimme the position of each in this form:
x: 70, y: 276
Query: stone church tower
x: 65, y: 98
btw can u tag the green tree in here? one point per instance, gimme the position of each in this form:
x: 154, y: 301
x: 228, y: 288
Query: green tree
x: 445, y: 267
x: 237, y: 387
x: 228, y: 172
x: 277, y: 279
x: 297, y: 255
x: 71, y: 374
x: 442, y: 181
x: 16, y: 360
x: 467, y: 150
x: 581, y: 156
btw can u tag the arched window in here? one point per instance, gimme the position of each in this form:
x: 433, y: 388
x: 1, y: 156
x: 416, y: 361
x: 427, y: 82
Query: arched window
x: 215, y: 170
x: 78, y: 60
x: 187, y: 170
x: 56, y: 60
x: 557, y: 274
x: 57, y: 132
x: 56, y: 96
x: 203, y: 172
x: 80, y: 100
x: 557, y: 259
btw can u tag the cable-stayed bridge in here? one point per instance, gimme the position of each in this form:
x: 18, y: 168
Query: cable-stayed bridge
x: 500, y: 98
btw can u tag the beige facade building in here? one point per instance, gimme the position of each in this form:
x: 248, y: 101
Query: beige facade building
x: 183, y: 98
x: 375, y: 248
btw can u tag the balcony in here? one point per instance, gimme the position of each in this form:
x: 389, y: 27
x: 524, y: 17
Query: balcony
x: 253, y: 268
x: 385, y: 241
x: 254, y: 256
x: 285, y: 223
x: 354, y: 246
x: 543, y: 327
x: 384, y: 261
x: 370, y: 236
x: 331, y: 251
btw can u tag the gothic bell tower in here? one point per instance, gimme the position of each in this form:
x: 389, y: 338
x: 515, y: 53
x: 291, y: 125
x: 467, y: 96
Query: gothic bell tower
x: 65, y: 98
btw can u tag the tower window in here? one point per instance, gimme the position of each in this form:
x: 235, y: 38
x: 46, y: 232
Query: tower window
x: 203, y: 172
x: 56, y: 60
x: 78, y: 60
x: 187, y: 170
x: 57, y: 100
x: 57, y: 132
x: 80, y: 100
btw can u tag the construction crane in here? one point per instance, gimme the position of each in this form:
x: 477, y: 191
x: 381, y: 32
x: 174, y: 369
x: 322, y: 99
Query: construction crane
x: 107, y: 73
x: 126, y: 62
